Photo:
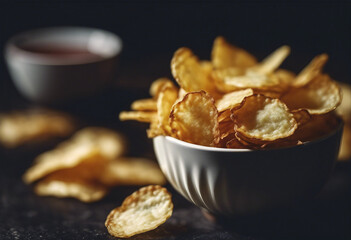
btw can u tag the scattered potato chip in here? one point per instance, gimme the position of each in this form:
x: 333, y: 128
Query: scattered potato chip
x: 21, y: 127
x: 64, y: 186
x: 63, y: 157
x: 225, y: 55
x: 195, y: 119
x: 88, y: 149
x: 311, y: 71
x: 132, y: 171
x: 189, y: 73
x: 143, y: 211
x: 137, y: 115
x: 110, y: 143
x: 144, y: 105
x: 319, y: 96
x: 262, y: 118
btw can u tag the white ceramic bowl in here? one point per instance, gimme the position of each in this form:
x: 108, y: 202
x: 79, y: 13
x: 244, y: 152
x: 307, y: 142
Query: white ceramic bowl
x: 241, y: 182
x: 52, y: 77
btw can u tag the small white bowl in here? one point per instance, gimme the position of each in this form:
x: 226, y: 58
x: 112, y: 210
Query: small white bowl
x: 48, y: 75
x: 242, y: 182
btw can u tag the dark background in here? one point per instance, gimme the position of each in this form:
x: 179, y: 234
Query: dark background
x: 158, y: 28
x: 151, y: 31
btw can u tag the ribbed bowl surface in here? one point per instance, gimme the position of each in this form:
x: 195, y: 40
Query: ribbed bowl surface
x: 241, y: 182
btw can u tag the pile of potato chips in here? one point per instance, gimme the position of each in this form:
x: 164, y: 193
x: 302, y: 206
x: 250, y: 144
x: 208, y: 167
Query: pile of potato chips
x: 87, y: 165
x: 234, y: 101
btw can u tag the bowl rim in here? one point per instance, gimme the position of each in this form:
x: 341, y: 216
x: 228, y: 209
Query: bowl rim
x: 12, y: 49
x: 218, y: 149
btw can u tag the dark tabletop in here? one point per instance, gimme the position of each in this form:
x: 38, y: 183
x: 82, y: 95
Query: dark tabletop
x: 23, y: 215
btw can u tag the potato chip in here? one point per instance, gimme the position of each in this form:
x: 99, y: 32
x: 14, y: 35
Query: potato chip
x: 132, y: 171
x: 301, y: 116
x: 226, y: 128
x: 251, y: 79
x: 319, y: 96
x: 345, y: 147
x: 109, y: 143
x: 19, y: 127
x: 165, y: 101
x: 235, y: 143
x: 317, y: 127
x: 225, y: 55
x: 143, y: 211
x: 286, y: 77
x: 189, y: 73
x: 344, y: 109
x: 262, y: 118
x: 231, y: 100
x: 273, y: 61
x: 63, y: 157
x: 311, y: 71
x: 195, y: 119
x: 157, y: 86
x: 224, y: 116
x: 140, y: 116
x: 148, y: 104
x: 70, y: 186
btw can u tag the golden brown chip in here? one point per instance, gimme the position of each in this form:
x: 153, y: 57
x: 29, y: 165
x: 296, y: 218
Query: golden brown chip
x: 273, y: 61
x: 132, y: 171
x: 158, y: 85
x: 345, y: 147
x: 301, y: 116
x: 140, y: 116
x: 65, y: 156
x: 148, y: 104
x: 235, y: 144
x: 19, y: 127
x: 226, y: 128
x: 231, y: 100
x: 262, y: 118
x: 70, y: 186
x: 143, y: 211
x: 317, y: 127
x: 319, y: 96
x: 195, y: 119
x: 286, y: 77
x: 189, y: 73
x: 251, y: 79
x: 225, y: 55
x: 110, y: 143
x: 165, y: 101
x: 311, y: 71
x: 344, y: 108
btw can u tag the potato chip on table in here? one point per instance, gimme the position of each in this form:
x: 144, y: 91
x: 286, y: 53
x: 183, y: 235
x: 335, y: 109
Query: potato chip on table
x: 89, y: 148
x: 20, y: 127
x: 142, y: 211
x: 63, y: 185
